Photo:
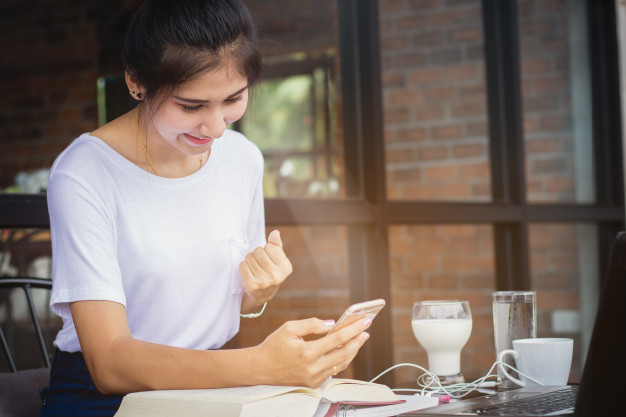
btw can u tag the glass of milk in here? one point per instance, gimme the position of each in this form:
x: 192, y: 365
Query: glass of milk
x: 443, y: 328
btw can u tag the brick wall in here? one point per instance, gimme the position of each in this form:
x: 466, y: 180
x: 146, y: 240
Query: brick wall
x: 48, y: 73
x: 434, y: 98
x: 437, y: 149
x: 546, y: 101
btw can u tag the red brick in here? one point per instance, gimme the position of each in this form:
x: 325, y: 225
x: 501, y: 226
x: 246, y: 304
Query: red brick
x: 391, y: 6
x: 429, y: 113
x: 539, y: 146
x: 532, y: 65
x: 403, y: 98
x: 447, y: 132
x: 396, y: 43
x: 473, y: 34
x: 556, y: 186
x: 440, y: 173
x: 414, y: 134
x: 424, y: 76
x: 399, y: 115
x: 469, y: 150
x: 555, y: 122
x: 479, y: 170
x: 440, y: 94
x: 410, y: 23
x: 409, y: 60
x: 393, y: 80
x: 399, y: 155
x: 468, y: 109
x: 432, y: 153
x: 405, y: 175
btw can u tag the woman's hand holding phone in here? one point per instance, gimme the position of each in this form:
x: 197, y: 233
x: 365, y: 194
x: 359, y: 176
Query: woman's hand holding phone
x: 288, y: 359
x: 291, y: 360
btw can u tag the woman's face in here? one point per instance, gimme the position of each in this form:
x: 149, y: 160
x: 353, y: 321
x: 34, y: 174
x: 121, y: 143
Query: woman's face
x: 199, y: 111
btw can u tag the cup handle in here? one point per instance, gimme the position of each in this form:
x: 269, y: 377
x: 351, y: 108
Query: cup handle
x: 503, y: 369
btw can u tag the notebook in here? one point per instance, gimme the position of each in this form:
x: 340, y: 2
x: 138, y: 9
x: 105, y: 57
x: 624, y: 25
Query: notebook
x: 604, y: 372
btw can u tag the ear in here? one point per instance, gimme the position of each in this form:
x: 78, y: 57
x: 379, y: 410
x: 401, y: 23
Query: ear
x: 134, y: 88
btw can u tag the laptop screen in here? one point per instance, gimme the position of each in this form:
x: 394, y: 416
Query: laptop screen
x: 605, y: 366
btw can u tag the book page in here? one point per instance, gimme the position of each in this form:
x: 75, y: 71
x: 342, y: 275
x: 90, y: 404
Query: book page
x: 250, y: 401
x: 244, y: 394
x: 292, y: 404
x: 224, y: 402
x: 338, y: 390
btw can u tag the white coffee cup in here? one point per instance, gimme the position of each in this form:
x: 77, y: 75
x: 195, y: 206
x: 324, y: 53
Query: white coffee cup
x: 540, y: 361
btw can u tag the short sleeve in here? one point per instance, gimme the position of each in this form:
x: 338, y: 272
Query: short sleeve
x: 84, y: 259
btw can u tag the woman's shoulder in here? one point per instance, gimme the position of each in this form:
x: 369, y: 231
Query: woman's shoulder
x: 81, y: 153
x: 77, y: 170
x: 81, y: 148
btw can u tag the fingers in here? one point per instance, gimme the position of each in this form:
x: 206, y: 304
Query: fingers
x: 340, y: 347
x: 265, y: 269
x: 269, y: 257
x: 347, y: 332
x: 267, y: 260
x: 305, y: 327
x: 274, y: 238
x: 341, y: 358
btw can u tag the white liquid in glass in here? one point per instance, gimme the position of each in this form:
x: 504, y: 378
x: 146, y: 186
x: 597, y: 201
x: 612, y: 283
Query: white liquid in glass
x: 443, y: 340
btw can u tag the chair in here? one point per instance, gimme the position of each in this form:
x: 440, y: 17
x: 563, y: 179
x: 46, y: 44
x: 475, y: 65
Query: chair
x: 19, y: 389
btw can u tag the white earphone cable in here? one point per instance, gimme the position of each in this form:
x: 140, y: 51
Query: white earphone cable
x: 431, y: 385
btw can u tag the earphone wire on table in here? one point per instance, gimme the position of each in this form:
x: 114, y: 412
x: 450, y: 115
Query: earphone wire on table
x: 457, y: 391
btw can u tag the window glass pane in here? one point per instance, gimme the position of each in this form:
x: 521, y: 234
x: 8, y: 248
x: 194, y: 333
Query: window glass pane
x: 564, y: 272
x: 556, y: 99
x: 293, y: 111
x: 434, y: 96
x: 442, y: 263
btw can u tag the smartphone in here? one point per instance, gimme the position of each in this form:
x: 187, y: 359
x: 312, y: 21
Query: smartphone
x: 357, y: 311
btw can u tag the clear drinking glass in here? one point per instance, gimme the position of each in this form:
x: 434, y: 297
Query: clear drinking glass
x: 514, y: 317
x: 443, y: 328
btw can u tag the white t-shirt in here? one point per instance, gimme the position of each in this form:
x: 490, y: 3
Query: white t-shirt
x: 168, y: 249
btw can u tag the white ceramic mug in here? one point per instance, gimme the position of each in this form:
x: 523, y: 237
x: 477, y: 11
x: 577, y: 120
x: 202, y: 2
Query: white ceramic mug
x: 546, y: 360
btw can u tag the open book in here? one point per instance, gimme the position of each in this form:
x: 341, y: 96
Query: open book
x: 258, y: 400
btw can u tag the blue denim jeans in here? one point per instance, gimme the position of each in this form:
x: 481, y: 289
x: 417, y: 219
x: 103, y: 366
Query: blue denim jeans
x: 72, y: 392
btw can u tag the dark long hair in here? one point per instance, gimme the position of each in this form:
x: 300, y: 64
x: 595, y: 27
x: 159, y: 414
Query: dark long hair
x: 169, y: 42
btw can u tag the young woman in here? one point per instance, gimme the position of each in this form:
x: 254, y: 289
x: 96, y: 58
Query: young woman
x: 157, y: 228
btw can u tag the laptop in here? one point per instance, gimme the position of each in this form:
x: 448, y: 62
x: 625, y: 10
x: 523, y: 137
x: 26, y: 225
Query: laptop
x: 603, y: 375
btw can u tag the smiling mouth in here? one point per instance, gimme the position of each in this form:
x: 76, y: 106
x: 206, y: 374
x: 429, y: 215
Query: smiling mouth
x: 195, y: 137
x: 197, y: 140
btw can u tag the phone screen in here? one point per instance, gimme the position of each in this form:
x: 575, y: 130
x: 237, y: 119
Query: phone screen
x: 357, y: 311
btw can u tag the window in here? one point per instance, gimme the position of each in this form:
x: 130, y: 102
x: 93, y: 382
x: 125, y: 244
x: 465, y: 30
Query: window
x: 432, y: 149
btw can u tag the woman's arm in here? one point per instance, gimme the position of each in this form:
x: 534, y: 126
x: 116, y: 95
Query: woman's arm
x: 119, y: 364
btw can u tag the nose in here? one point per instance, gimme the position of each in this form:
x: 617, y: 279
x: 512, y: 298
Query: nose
x: 214, y: 125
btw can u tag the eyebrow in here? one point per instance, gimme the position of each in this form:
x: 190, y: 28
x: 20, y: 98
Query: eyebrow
x: 200, y: 101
